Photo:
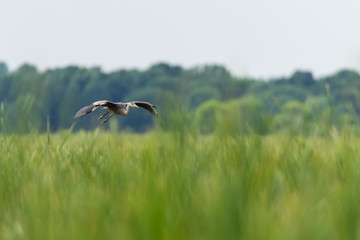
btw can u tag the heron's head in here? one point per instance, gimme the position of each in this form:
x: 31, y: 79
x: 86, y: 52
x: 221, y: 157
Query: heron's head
x: 132, y: 104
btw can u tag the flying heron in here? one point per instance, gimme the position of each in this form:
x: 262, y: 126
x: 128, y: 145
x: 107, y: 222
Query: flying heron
x: 118, y: 108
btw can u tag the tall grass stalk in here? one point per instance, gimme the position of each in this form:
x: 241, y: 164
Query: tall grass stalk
x: 48, y: 129
x: 3, y: 128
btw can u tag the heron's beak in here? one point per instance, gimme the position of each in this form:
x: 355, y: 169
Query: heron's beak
x: 136, y: 106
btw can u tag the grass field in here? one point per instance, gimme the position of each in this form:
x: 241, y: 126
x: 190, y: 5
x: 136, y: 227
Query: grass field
x: 179, y: 185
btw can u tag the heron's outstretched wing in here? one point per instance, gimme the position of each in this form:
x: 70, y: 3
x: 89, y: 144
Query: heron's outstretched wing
x: 85, y: 110
x: 151, y: 108
x: 88, y: 109
x: 104, y: 103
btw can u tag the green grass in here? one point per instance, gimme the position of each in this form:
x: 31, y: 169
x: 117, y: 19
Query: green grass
x: 179, y: 185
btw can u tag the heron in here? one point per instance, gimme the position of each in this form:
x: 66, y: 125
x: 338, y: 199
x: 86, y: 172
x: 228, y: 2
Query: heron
x: 119, y: 108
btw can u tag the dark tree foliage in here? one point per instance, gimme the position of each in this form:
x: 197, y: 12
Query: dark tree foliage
x: 304, y: 79
x: 31, y: 97
x: 3, y: 69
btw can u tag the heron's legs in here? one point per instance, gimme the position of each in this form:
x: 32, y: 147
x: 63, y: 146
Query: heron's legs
x: 102, y: 116
x: 112, y: 114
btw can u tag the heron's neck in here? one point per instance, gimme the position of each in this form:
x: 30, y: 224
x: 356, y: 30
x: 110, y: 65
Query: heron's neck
x: 127, y: 109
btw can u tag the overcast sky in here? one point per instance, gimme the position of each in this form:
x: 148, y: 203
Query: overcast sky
x: 257, y: 38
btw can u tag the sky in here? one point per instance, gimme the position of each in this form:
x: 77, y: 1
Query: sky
x: 255, y: 38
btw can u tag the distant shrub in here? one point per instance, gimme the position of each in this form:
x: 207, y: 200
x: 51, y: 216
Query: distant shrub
x: 205, y: 116
x: 244, y: 116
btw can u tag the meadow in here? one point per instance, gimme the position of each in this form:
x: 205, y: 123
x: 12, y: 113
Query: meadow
x: 179, y: 185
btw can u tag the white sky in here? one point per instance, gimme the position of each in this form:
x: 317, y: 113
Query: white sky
x: 257, y: 38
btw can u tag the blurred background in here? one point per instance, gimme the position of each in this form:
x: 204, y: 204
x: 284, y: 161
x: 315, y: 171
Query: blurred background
x: 271, y: 60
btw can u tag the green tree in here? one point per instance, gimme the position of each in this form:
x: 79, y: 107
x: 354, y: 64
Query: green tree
x: 3, y: 69
x: 301, y: 78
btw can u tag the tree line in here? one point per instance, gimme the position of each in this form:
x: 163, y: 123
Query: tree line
x: 207, y: 95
